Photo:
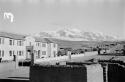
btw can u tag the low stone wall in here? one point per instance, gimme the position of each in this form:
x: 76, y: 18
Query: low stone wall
x: 66, y: 73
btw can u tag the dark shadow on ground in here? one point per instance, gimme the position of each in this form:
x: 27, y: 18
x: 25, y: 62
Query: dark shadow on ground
x: 13, y: 80
x: 19, y: 77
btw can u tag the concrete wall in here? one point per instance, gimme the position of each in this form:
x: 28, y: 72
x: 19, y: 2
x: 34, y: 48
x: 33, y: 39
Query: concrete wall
x: 94, y: 73
x: 65, y: 74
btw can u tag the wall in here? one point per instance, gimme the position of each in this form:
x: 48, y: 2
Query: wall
x: 57, y: 74
x: 116, y: 73
x: 94, y: 73
x: 64, y: 74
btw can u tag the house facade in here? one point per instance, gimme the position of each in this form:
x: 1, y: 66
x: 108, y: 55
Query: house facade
x: 43, y: 47
x: 17, y: 45
x: 10, y: 45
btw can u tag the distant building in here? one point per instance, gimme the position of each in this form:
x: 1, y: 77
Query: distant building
x: 14, y: 44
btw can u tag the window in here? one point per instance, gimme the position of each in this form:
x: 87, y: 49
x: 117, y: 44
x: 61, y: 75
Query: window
x: 3, y: 53
x: 38, y: 44
x: 20, y: 43
x: 20, y: 53
x: 43, y: 52
x: 10, y: 52
x: 11, y: 42
x: 54, y: 53
x: 0, y: 53
x: 44, y: 45
x: 1, y: 40
x: 54, y: 45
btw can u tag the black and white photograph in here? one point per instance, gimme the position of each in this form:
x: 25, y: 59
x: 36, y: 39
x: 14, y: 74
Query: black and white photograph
x: 62, y: 40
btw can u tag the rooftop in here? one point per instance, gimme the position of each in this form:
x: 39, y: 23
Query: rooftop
x: 12, y: 35
x: 44, y: 40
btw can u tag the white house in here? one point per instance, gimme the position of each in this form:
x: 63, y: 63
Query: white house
x: 10, y: 45
x: 42, y: 47
x: 15, y: 44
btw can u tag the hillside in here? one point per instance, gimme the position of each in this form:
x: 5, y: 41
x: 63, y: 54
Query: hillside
x: 79, y: 44
x: 73, y: 34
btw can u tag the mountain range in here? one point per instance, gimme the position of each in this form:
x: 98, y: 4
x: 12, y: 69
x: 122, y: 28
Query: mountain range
x: 74, y: 34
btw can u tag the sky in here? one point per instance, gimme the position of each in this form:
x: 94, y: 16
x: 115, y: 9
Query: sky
x: 33, y: 16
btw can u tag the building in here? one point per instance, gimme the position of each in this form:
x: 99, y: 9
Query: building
x: 10, y: 45
x: 42, y: 47
x: 14, y: 44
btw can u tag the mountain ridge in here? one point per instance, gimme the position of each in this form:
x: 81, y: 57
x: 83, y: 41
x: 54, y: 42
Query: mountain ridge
x: 74, y: 34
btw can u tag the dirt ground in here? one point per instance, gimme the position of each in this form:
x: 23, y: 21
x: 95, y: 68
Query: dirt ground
x: 8, y: 73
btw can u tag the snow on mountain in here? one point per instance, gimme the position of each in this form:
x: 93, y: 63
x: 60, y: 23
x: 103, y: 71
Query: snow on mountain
x: 77, y: 35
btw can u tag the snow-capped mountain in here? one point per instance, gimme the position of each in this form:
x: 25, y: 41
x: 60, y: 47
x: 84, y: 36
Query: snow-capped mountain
x: 77, y: 35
